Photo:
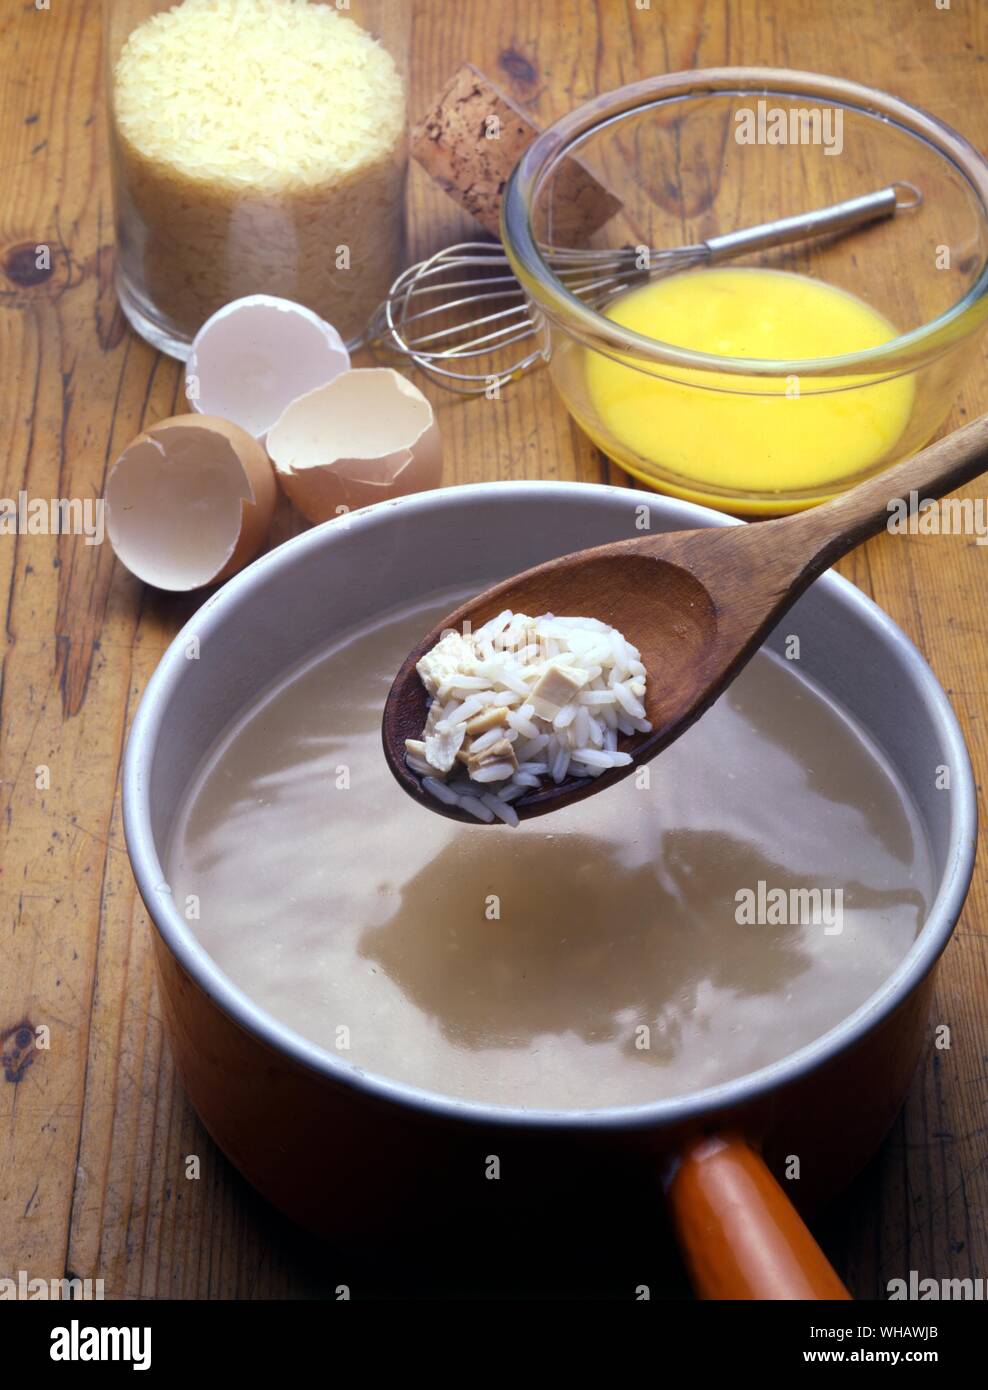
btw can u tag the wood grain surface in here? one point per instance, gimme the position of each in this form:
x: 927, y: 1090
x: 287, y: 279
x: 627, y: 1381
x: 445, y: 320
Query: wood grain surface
x: 94, y: 1127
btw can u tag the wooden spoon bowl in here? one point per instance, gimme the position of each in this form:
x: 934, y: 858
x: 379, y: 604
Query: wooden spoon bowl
x: 697, y: 604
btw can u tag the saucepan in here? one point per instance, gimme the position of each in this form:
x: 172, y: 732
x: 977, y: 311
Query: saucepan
x: 352, y: 1155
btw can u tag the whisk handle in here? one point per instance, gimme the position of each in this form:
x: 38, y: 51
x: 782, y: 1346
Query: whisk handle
x: 838, y: 217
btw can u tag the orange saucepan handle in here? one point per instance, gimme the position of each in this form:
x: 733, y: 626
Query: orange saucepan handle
x: 740, y: 1235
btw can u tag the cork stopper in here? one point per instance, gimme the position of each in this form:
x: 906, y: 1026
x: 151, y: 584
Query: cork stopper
x: 471, y: 140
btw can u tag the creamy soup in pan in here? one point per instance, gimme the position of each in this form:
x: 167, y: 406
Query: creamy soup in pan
x: 649, y: 941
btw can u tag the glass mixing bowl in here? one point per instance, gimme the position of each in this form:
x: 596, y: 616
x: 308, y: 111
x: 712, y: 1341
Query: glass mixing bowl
x: 693, y: 155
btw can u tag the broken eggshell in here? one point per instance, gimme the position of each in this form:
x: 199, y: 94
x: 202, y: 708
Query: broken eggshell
x: 189, y: 502
x: 367, y: 436
x: 258, y: 354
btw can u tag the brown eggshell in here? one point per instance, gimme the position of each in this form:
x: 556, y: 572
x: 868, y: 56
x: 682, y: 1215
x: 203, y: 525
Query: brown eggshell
x: 189, y: 502
x: 366, y: 436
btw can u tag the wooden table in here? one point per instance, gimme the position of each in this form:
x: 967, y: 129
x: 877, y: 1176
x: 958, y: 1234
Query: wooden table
x: 95, y: 1128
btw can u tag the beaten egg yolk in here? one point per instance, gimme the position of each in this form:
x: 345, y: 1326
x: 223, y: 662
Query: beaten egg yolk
x: 734, y: 435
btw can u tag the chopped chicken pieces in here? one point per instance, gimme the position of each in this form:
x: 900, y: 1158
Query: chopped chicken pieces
x: 489, y: 718
x: 500, y: 752
x: 442, y: 740
x: 558, y: 684
x: 451, y: 656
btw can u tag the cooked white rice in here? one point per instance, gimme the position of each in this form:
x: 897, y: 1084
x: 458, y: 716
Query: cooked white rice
x: 523, y: 700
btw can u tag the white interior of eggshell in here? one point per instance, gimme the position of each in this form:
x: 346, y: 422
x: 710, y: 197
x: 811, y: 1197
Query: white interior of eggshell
x: 175, y: 506
x: 257, y: 355
x: 364, y: 424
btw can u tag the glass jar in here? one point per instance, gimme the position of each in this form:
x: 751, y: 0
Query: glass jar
x: 257, y: 146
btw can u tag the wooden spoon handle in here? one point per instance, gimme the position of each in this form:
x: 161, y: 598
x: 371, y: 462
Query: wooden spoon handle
x: 740, y: 1235
x: 829, y: 531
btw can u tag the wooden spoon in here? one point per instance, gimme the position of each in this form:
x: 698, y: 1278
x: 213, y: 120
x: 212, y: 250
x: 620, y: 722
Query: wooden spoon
x: 697, y: 604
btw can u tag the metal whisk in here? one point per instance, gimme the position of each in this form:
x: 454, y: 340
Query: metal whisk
x: 463, y: 305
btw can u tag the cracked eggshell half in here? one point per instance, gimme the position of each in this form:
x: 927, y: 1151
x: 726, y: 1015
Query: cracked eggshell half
x: 257, y: 355
x: 367, y: 436
x: 189, y: 502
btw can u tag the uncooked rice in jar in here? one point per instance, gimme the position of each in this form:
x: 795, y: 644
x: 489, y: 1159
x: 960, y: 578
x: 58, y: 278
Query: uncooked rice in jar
x: 259, y: 144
